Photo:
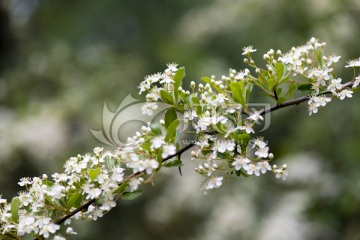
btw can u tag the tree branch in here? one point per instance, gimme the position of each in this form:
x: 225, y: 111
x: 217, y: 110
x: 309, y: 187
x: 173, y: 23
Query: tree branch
x: 297, y: 101
x: 187, y: 147
x: 90, y: 202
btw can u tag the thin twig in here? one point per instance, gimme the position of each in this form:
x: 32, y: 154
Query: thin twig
x: 187, y: 147
x: 90, y: 202
x: 297, y: 101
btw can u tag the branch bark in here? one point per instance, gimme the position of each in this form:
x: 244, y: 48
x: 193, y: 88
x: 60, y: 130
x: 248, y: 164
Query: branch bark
x: 297, y: 101
x: 90, y: 202
x: 187, y: 147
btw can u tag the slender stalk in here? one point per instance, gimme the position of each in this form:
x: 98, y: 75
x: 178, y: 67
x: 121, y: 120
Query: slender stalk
x: 90, y: 202
x: 297, y: 101
x: 187, y: 147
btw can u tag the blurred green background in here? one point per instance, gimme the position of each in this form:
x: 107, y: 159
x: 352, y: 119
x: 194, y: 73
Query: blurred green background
x: 61, y: 60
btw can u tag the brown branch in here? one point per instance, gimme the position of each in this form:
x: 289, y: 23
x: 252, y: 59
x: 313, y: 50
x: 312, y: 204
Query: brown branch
x: 90, y: 202
x: 297, y: 101
x: 187, y: 147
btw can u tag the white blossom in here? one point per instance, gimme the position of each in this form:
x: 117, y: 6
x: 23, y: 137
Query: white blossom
x: 49, y: 228
x: 248, y: 50
x: 353, y: 63
x: 214, y: 182
x: 264, y: 166
x: 240, y: 162
x: 253, y: 169
x: 149, y: 165
x: 345, y: 93
x: 157, y: 142
x: 148, y: 108
x: 356, y: 81
x: 335, y: 85
x: 281, y: 173
x: 134, y: 183
x: 168, y: 149
x: 262, y: 152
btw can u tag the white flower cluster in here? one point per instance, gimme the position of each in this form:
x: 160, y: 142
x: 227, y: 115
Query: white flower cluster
x: 155, y: 84
x: 223, y: 126
x: 225, y: 141
x: 96, y: 176
x: 310, y: 62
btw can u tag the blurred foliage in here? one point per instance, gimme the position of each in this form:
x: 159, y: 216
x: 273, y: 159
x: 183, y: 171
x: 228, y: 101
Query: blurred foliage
x: 60, y: 60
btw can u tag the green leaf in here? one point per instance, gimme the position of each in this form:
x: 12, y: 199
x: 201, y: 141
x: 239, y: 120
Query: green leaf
x: 74, y: 201
x: 131, y: 195
x: 305, y: 88
x: 171, y: 131
x: 170, y: 116
x: 121, y: 188
x: 280, y: 69
x: 178, y: 77
x: 284, y: 79
x: 93, y: 173
x: 281, y: 100
x: 272, y: 83
x: 319, y: 56
x: 110, y: 162
x: 175, y: 163
x: 7, y: 236
x: 166, y: 97
x: 243, y: 172
x: 155, y: 129
x: 48, y: 183
x: 292, y: 88
x: 196, y: 104
x: 237, y: 91
x: 243, y: 139
x: 248, y: 90
x: 14, y: 206
x: 278, y: 92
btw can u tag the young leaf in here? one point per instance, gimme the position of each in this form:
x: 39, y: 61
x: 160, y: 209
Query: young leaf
x: 281, y: 100
x: 292, y: 88
x: 196, y: 104
x: 110, y: 162
x: 121, y: 188
x: 243, y: 139
x: 131, y: 195
x: 171, y: 131
x: 166, y: 97
x: 248, y: 90
x: 280, y: 69
x: 155, y: 129
x: 170, y: 116
x: 272, y: 83
x: 74, y: 201
x: 93, y: 173
x: 237, y: 91
x: 14, y: 206
x: 178, y: 77
x: 175, y: 163
x: 305, y: 88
